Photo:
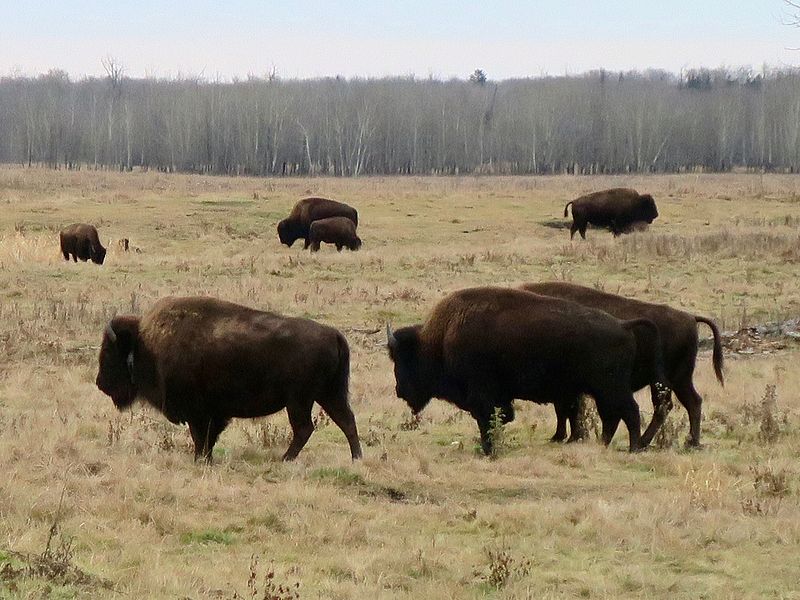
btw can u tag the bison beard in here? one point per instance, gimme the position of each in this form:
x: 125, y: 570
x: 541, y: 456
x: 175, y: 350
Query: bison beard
x: 480, y: 348
x: 678, y: 335
x: 203, y: 362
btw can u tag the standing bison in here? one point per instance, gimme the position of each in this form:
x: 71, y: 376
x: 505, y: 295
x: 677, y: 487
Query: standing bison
x: 618, y: 210
x: 678, y: 335
x: 82, y: 242
x: 308, y: 210
x: 482, y: 347
x: 339, y: 231
x: 203, y: 362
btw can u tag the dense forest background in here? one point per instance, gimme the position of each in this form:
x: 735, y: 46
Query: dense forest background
x: 599, y: 122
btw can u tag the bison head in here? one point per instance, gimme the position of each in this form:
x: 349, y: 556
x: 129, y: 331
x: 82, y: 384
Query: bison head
x: 647, y: 208
x: 115, y: 375
x: 98, y: 255
x: 288, y: 232
x: 355, y: 244
x: 412, y: 383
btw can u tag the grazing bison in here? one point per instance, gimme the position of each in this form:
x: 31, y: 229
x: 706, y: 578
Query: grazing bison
x: 678, y: 335
x: 340, y: 231
x: 618, y: 209
x: 308, y: 210
x: 81, y: 241
x: 482, y: 347
x: 203, y: 362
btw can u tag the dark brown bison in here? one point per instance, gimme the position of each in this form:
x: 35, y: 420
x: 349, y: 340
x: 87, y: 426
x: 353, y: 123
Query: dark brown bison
x: 482, y: 347
x: 81, y: 241
x: 678, y: 334
x: 203, y: 362
x: 619, y: 210
x: 340, y: 231
x: 308, y: 210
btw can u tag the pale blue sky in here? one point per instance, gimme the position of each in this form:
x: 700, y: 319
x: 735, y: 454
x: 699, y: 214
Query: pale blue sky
x: 439, y: 37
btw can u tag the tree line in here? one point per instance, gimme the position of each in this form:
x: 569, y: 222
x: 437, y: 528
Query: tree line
x: 598, y: 122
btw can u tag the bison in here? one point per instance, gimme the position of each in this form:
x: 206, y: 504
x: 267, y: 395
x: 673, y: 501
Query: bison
x: 482, y: 347
x: 678, y: 335
x: 340, y: 231
x: 82, y: 242
x: 308, y: 210
x: 203, y: 361
x: 618, y: 209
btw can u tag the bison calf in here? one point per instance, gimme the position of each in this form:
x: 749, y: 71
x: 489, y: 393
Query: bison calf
x: 204, y: 361
x: 618, y: 210
x: 678, y: 338
x: 481, y: 348
x: 82, y: 242
x: 334, y: 230
x: 308, y: 210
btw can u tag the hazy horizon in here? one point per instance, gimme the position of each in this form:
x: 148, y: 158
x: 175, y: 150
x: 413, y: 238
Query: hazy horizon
x: 440, y: 39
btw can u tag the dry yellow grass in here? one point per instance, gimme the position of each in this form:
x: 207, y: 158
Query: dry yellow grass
x: 423, y: 516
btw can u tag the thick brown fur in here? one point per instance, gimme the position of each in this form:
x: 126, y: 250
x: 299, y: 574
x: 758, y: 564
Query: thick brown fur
x: 308, y: 210
x: 82, y: 242
x: 678, y: 334
x: 481, y: 348
x: 339, y: 231
x: 619, y: 210
x: 203, y: 361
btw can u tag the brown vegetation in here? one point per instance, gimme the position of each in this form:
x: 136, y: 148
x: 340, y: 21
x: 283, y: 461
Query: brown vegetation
x: 423, y: 515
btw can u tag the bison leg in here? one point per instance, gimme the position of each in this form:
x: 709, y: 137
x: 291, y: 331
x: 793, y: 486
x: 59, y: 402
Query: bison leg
x: 562, y: 414
x: 610, y: 421
x: 74, y: 257
x: 662, y: 404
x: 302, y: 428
x: 346, y: 421
x: 306, y: 244
x: 205, y: 433
x: 632, y: 419
x: 482, y: 413
x: 693, y: 403
x: 582, y: 230
x: 577, y: 431
x: 507, y: 414
x: 338, y: 247
x: 66, y: 255
x: 573, y: 228
x: 314, y: 246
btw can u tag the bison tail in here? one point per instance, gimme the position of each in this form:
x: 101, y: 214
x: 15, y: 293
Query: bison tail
x: 341, y: 382
x: 717, y: 356
x: 651, y: 341
x: 567, y: 206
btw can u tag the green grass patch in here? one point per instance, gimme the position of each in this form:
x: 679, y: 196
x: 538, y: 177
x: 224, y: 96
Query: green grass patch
x: 338, y: 476
x: 207, y: 536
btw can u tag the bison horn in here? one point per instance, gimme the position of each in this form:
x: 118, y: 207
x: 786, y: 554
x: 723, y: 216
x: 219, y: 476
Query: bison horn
x: 391, y: 340
x: 112, y: 336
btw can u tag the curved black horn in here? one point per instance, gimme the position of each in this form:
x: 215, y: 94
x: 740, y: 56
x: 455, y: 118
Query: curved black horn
x: 112, y: 336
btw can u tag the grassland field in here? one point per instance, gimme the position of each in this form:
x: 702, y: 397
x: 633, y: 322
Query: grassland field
x: 100, y: 504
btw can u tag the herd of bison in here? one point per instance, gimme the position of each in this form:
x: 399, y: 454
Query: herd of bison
x: 204, y: 361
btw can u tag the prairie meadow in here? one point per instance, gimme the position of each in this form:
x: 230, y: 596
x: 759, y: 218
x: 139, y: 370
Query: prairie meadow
x: 98, y: 504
